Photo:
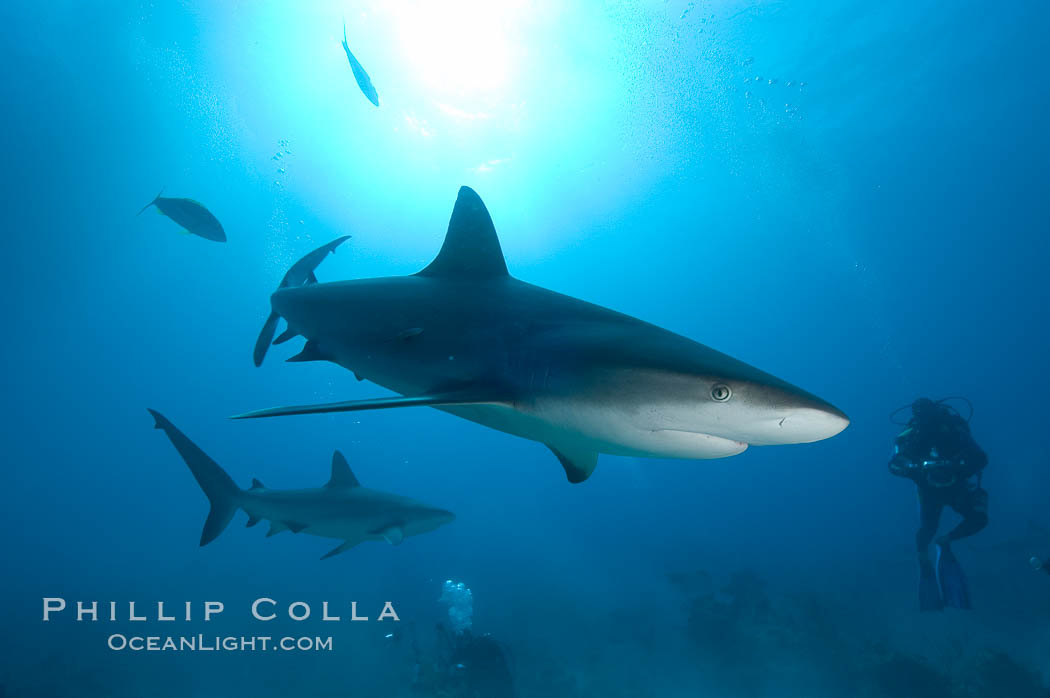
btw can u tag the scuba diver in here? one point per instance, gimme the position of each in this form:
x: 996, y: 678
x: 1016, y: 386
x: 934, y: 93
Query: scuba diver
x: 937, y: 452
x: 462, y: 664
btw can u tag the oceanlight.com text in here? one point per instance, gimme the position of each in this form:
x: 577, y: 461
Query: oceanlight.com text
x: 217, y: 643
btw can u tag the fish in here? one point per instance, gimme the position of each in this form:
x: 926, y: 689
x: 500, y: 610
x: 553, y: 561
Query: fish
x: 363, y: 81
x: 579, y: 378
x: 341, y: 508
x: 191, y: 215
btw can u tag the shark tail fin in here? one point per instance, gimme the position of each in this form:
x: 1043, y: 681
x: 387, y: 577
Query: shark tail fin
x: 218, y: 486
x: 299, y: 274
x: 150, y: 203
x: 269, y: 328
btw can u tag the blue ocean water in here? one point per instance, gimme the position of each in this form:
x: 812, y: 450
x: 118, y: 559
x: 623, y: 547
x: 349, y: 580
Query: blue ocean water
x: 851, y: 196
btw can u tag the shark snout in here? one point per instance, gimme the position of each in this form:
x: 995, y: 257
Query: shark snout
x: 431, y: 519
x: 779, y: 414
x: 440, y: 516
x: 808, y: 424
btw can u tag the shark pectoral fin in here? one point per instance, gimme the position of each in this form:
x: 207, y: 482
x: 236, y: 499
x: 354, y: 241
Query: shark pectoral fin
x: 392, y: 534
x: 265, y: 336
x: 341, y: 548
x: 578, y: 463
x: 275, y: 528
x: 252, y: 520
x: 380, y: 403
x: 285, y: 336
x: 295, y: 526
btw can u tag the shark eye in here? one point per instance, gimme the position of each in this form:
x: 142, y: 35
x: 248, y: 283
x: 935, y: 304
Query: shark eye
x: 720, y: 392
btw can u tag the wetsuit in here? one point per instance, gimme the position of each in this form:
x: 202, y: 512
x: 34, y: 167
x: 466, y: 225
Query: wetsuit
x: 942, y: 458
x: 464, y: 666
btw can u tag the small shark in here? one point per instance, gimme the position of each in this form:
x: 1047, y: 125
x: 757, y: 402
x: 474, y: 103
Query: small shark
x: 363, y: 81
x: 191, y: 215
x: 464, y: 336
x: 341, y: 509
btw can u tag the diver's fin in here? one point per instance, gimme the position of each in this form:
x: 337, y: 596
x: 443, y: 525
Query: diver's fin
x: 218, y: 486
x: 256, y: 485
x: 578, y: 464
x: 471, y: 248
x: 252, y: 520
x: 929, y: 590
x: 341, y: 548
x: 285, y: 336
x: 379, y: 403
x: 295, y: 526
x: 310, y: 352
x: 150, y: 203
x: 275, y: 528
x: 954, y: 590
x: 342, y: 476
x: 265, y: 337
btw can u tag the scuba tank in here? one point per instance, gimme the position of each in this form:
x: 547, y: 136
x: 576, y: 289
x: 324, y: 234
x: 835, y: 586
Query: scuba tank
x: 940, y: 472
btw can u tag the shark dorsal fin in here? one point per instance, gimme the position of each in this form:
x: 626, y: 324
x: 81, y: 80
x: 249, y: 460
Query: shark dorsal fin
x: 471, y: 249
x: 342, y: 476
x: 256, y: 485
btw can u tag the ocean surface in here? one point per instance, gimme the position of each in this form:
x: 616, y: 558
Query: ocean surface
x: 852, y: 196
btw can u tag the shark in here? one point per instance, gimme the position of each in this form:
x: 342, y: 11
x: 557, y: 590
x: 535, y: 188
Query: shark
x: 341, y: 509
x: 464, y: 336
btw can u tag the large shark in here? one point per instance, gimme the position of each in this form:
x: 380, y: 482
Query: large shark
x: 464, y: 336
x: 341, y: 509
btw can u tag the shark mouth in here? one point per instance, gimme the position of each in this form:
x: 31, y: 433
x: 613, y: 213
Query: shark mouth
x: 695, y: 444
